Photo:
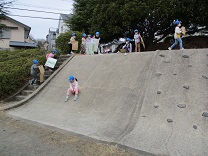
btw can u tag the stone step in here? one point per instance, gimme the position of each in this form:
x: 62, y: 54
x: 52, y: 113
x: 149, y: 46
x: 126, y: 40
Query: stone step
x: 46, y: 76
x: 58, y: 63
x: 47, y: 72
x: 64, y: 56
x: 26, y: 92
x: 56, y: 67
x: 31, y: 87
x: 20, y: 97
x: 61, y: 59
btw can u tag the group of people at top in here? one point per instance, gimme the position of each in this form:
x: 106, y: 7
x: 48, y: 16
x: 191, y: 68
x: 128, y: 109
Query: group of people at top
x: 128, y: 46
x: 85, y: 39
x: 137, y: 39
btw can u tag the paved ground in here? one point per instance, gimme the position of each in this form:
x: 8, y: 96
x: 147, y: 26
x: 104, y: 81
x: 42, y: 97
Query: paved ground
x: 129, y: 101
x: 20, y: 138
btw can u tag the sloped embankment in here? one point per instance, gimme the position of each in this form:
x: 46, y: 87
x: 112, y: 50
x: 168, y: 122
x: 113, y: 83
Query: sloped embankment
x: 149, y: 101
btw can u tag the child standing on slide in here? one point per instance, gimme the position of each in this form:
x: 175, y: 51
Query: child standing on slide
x: 82, y: 51
x: 73, y: 88
x: 137, y: 40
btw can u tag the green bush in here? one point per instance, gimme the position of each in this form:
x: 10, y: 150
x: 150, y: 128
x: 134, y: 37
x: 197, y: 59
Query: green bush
x: 15, y: 66
x: 62, y: 41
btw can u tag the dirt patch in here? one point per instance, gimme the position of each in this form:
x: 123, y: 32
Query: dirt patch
x: 20, y: 138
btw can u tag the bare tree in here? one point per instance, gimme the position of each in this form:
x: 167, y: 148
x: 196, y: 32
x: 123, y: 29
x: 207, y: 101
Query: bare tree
x: 3, y: 10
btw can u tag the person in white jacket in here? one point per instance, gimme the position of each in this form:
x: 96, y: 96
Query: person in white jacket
x: 177, y: 35
x: 73, y: 88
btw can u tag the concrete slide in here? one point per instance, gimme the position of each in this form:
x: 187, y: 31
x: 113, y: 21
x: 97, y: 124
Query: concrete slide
x: 151, y: 101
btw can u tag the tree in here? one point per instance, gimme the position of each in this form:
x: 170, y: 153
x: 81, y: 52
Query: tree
x: 3, y: 10
x: 63, y: 39
x: 151, y: 17
x: 40, y: 43
x: 80, y: 20
x: 4, y: 4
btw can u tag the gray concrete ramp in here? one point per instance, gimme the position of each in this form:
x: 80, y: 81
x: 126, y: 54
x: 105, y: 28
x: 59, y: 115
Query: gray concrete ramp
x: 150, y: 101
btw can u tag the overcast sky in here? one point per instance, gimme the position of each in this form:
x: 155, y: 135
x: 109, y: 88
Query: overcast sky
x: 40, y: 27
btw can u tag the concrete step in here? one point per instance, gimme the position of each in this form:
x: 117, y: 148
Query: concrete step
x: 64, y: 56
x: 61, y: 59
x: 58, y: 63
x: 26, y: 92
x: 31, y: 87
x: 56, y: 67
x: 47, y: 72
x: 46, y: 76
x: 20, y: 97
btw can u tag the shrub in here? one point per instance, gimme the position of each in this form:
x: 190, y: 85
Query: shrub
x: 62, y: 41
x: 15, y: 66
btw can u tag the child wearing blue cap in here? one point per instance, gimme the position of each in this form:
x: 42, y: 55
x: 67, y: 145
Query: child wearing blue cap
x: 82, y: 51
x: 137, y: 40
x: 72, y: 39
x: 34, y: 73
x: 127, y: 46
x: 73, y: 88
x: 177, y: 35
x: 97, y: 36
x: 51, y: 55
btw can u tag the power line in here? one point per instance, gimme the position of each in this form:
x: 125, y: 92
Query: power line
x: 67, y: 0
x: 35, y: 10
x: 37, y: 17
x: 35, y: 6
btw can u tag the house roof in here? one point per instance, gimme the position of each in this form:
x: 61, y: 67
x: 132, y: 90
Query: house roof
x: 22, y: 44
x: 27, y: 28
x: 65, y: 16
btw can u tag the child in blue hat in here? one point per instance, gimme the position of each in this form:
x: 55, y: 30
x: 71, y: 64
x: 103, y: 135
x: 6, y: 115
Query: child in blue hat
x: 34, y: 73
x: 82, y: 51
x: 73, y: 88
x: 137, y: 40
x: 97, y: 36
x: 177, y: 35
x: 72, y: 39
x: 51, y: 55
x: 127, y: 46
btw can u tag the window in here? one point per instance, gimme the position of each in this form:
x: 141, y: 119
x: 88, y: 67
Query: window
x: 4, y: 33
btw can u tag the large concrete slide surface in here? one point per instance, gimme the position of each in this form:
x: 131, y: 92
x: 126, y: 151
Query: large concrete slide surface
x: 128, y: 100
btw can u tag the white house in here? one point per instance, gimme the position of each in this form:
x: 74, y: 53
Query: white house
x: 62, y: 25
x: 53, y: 34
x: 51, y: 38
